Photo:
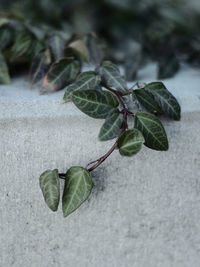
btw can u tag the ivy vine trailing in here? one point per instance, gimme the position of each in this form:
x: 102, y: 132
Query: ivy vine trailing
x: 103, y: 94
x: 55, y: 57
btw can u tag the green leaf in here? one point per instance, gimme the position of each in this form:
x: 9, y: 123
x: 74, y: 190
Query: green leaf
x: 22, y: 45
x: 112, y: 125
x: 95, y: 103
x: 50, y: 186
x: 61, y: 74
x: 4, y: 74
x: 152, y: 130
x: 6, y: 37
x: 86, y: 80
x: 95, y: 48
x: 168, y: 67
x: 57, y: 46
x: 147, y: 100
x: 80, y: 47
x: 78, y: 186
x: 130, y: 142
x: 39, y: 66
x: 165, y: 99
x: 111, y: 77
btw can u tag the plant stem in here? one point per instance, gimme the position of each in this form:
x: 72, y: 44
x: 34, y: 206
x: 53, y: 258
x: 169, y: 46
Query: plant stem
x: 104, y: 157
x: 118, y: 95
x: 125, y: 113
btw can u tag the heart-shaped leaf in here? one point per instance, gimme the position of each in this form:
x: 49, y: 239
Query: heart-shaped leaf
x: 96, y: 104
x: 86, y: 80
x: 61, y: 74
x: 147, y: 100
x: 165, y: 99
x: 130, y: 142
x: 4, y: 74
x: 50, y: 186
x: 78, y: 186
x: 152, y: 130
x: 111, y: 77
x: 112, y: 126
x: 39, y: 66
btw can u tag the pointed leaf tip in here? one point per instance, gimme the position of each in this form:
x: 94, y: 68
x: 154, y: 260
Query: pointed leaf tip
x: 50, y: 186
x: 111, y: 76
x: 78, y: 186
x: 112, y: 125
x: 165, y: 99
x: 152, y: 130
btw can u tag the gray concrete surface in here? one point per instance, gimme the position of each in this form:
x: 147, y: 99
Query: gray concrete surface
x: 143, y: 211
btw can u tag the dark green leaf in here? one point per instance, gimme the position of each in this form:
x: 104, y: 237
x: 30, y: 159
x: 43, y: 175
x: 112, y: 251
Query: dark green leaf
x: 130, y: 142
x: 39, y: 66
x: 165, y: 99
x: 112, y: 126
x: 133, y: 56
x: 168, y: 67
x: 152, y: 130
x: 78, y: 186
x: 22, y: 45
x: 6, y: 37
x: 61, y: 74
x: 4, y: 74
x: 111, y: 77
x: 50, y: 186
x: 94, y: 103
x: 95, y: 48
x: 57, y: 46
x: 147, y: 100
x: 86, y: 80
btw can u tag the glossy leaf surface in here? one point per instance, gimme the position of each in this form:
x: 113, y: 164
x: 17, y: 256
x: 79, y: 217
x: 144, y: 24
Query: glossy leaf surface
x: 78, y: 186
x: 94, y: 103
x: 165, y: 99
x: 86, y: 80
x: 111, y: 77
x: 130, y: 142
x: 112, y: 126
x: 152, y: 130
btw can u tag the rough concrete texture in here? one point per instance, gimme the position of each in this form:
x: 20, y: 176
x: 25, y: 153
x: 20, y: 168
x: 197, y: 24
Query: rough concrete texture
x: 144, y: 211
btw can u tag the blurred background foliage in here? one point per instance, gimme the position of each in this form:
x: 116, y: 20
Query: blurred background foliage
x: 128, y: 32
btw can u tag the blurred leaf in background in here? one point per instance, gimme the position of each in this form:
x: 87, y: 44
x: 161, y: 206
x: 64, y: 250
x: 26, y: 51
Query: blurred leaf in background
x: 134, y: 32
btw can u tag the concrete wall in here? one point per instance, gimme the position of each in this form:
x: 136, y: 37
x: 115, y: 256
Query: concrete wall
x: 143, y: 211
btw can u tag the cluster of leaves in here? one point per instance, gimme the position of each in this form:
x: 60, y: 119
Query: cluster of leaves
x: 55, y: 57
x: 166, y: 31
x: 103, y: 94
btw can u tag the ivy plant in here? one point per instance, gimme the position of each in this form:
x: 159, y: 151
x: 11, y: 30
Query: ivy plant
x: 104, y: 94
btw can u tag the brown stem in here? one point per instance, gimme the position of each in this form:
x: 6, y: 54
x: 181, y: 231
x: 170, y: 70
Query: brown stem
x: 126, y: 113
x: 130, y: 89
x: 104, y: 157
